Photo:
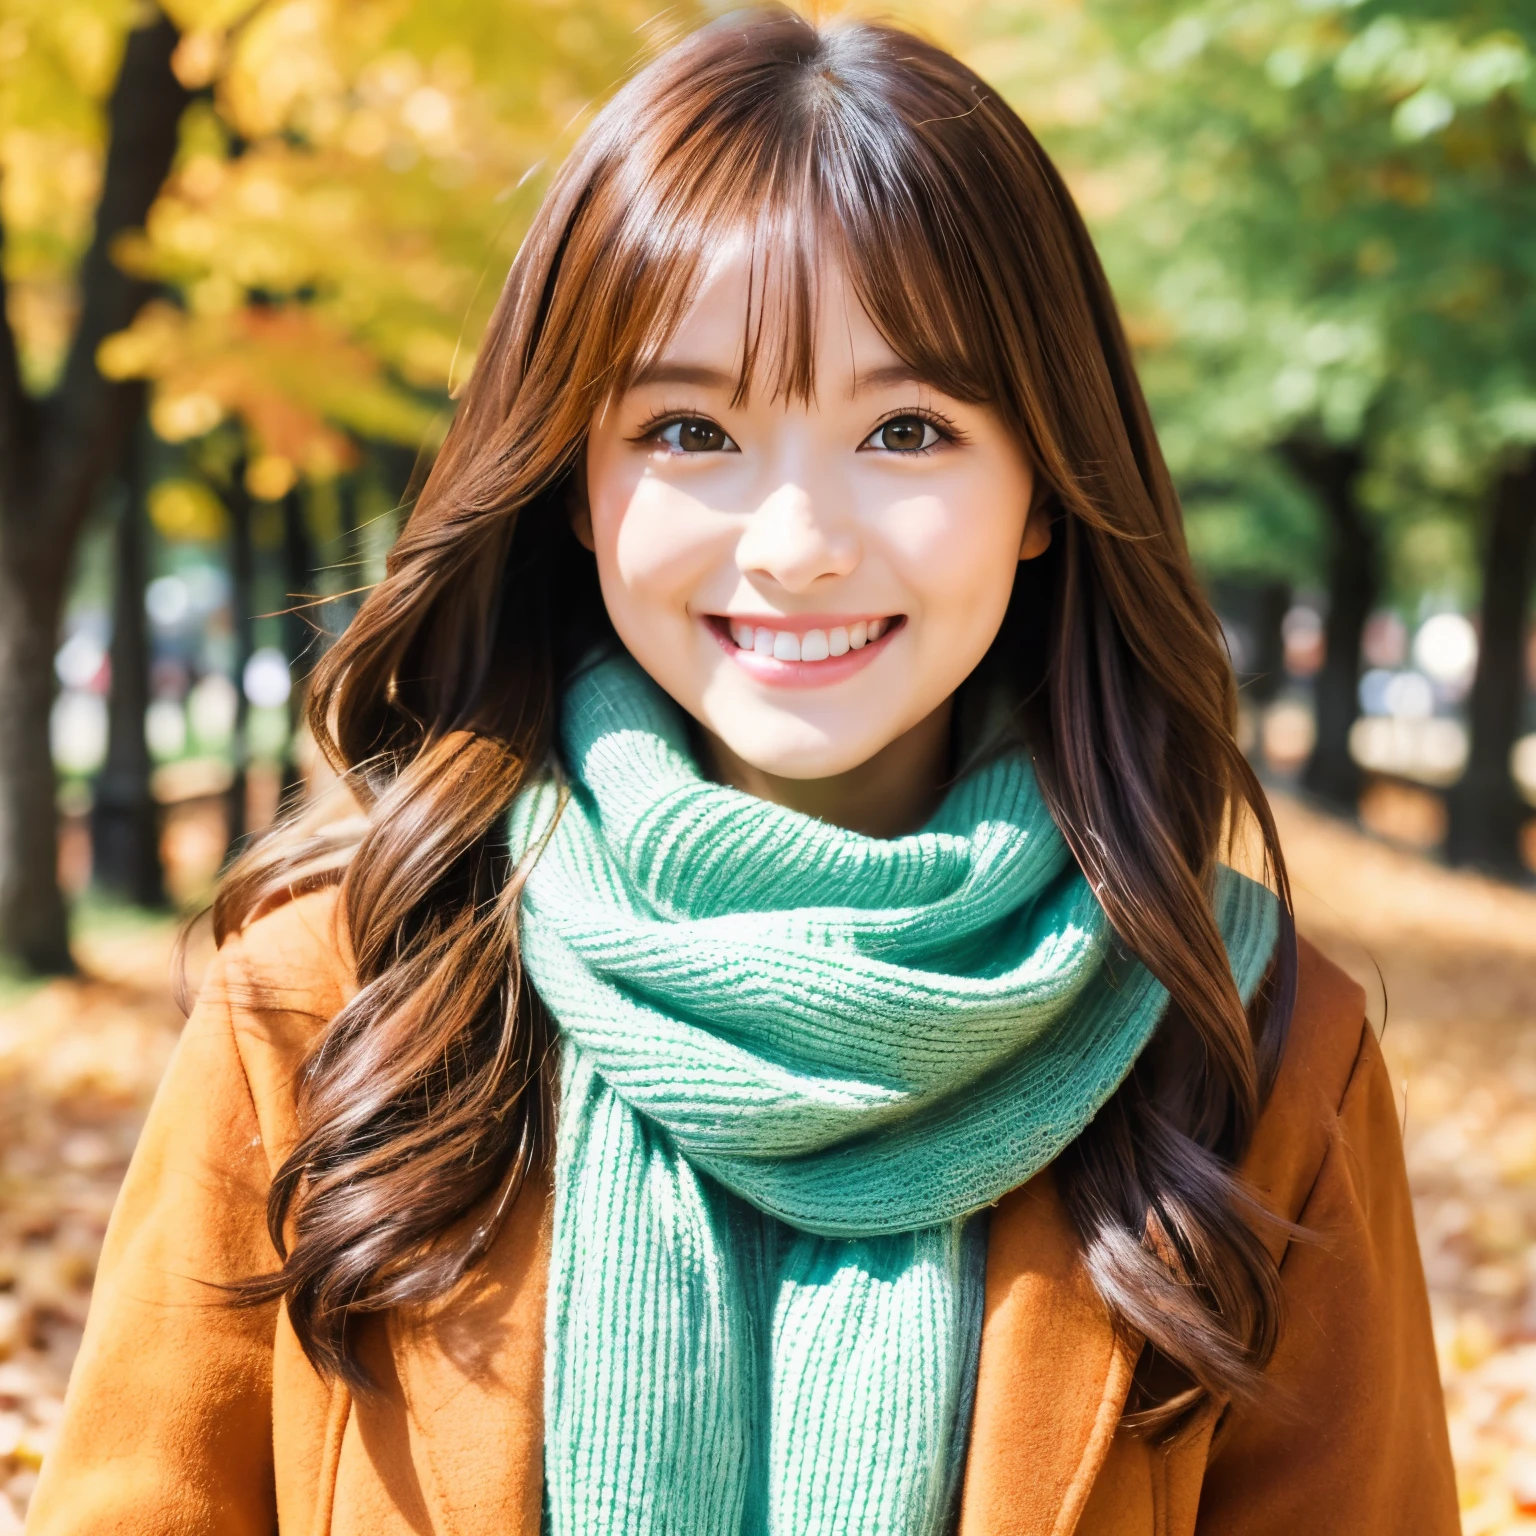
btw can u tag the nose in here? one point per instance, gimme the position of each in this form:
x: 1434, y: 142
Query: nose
x: 791, y: 542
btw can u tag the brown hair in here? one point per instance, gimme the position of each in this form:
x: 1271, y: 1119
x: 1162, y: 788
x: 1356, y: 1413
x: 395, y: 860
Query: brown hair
x: 423, y: 1105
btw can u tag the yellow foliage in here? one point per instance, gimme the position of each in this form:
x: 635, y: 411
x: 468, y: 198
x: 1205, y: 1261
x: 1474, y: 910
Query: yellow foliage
x: 270, y: 477
x: 350, y: 190
x: 339, y: 219
x: 186, y: 510
x: 57, y: 63
x: 146, y: 348
x: 177, y: 418
x: 199, y: 57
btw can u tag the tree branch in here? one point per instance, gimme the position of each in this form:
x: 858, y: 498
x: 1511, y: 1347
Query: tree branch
x: 88, y: 415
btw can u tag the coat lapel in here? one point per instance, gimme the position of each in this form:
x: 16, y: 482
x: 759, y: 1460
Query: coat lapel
x: 463, y: 1421
x: 1052, y: 1378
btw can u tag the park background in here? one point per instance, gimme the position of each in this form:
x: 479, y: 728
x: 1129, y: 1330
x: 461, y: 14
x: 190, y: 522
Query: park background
x: 248, y: 250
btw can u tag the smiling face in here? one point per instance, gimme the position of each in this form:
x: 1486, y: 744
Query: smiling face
x: 810, y: 581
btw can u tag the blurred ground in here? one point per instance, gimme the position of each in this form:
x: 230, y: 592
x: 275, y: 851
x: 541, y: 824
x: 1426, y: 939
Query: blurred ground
x: 79, y: 1061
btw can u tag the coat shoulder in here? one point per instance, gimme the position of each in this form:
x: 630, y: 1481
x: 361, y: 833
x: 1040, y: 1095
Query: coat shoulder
x: 1323, y: 1050
x: 283, y: 977
x: 294, y: 955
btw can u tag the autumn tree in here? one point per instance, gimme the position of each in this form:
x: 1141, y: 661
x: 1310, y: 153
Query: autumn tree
x: 345, y: 207
x: 61, y: 436
x: 336, y: 229
x: 125, y: 841
x: 309, y: 258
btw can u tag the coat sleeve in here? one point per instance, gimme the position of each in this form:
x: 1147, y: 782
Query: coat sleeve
x: 1352, y: 1437
x: 167, y: 1424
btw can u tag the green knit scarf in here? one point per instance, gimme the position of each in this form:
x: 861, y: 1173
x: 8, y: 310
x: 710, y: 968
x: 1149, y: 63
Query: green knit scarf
x: 794, y: 1061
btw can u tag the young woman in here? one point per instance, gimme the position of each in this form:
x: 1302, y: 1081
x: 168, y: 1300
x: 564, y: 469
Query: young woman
x: 782, y: 1052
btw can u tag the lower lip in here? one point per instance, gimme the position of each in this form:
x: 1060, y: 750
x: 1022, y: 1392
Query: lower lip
x: 802, y: 674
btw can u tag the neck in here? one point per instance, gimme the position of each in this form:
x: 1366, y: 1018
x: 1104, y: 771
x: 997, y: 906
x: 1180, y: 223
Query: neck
x: 893, y: 793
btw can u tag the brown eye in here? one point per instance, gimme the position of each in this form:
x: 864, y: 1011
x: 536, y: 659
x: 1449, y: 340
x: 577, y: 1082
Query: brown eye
x: 904, y: 434
x: 695, y: 434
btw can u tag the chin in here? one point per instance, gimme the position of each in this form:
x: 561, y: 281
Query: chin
x: 790, y: 748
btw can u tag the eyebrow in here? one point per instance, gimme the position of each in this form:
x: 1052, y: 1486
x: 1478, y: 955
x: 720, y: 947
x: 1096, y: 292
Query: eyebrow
x: 705, y: 377
x: 884, y: 378
x: 685, y: 373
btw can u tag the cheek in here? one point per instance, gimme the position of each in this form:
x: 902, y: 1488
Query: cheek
x: 653, y: 542
x: 957, y: 552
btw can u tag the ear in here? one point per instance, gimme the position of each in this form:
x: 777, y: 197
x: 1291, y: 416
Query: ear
x: 1037, y: 525
x: 579, y: 509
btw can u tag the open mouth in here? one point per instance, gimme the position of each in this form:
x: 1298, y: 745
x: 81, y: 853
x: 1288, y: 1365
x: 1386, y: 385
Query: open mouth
x: 814, y: 644
x: 817, y: 648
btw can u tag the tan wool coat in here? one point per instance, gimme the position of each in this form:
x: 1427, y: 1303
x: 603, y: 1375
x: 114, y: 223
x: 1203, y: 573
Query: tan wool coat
x: 187, y: 1416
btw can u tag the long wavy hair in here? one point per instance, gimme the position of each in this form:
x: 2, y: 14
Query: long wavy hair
x: 424, y: 1104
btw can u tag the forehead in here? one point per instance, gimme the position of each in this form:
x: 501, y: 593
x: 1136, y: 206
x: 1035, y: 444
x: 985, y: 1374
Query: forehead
x: 741, y: 321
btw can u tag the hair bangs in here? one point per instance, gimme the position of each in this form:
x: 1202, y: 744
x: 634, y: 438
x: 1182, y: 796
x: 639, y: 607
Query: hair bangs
x: 800, y: 179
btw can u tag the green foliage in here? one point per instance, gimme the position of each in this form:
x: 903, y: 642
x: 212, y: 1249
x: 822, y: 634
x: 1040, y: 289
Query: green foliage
x: 1318, y: 219
x: 1256, y: 524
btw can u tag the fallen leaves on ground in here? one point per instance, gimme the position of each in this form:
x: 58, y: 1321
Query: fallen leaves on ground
x: 1448, y: 961
x: 79, y: 1061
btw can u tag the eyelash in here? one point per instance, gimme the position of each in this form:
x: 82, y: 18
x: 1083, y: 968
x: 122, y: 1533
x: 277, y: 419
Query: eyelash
x: 665, y: 419
x: 947, y: 430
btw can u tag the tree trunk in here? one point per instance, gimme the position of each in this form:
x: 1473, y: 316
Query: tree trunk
x: 345, y: 607
x: 242, y: 598
x: 299, y: 635
x: 1486, y: 810
x: 54, y: 455
x: 1354, y: 562
x: 1271, y: 603
x: 125, y: 821
x: 34, y: 930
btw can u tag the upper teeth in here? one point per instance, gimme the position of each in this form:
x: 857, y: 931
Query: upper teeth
x: 813, y: 645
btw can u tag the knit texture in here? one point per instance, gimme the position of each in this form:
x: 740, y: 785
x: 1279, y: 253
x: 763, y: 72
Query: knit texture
x: 794, y: 1060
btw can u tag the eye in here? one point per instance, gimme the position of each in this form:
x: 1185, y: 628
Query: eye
x: 903, y: 434
x: 695, y: 434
